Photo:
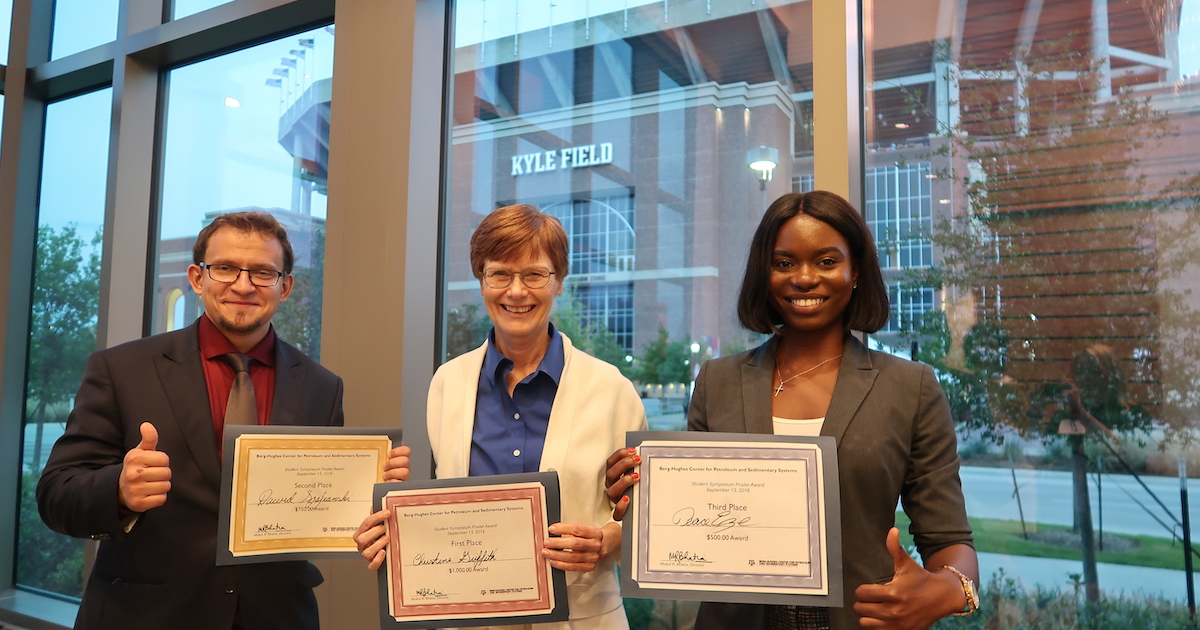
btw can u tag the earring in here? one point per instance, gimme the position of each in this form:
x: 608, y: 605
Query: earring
x: 855, y: 286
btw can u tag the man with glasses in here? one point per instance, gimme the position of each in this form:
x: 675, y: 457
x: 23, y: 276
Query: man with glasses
x: 139, y: 467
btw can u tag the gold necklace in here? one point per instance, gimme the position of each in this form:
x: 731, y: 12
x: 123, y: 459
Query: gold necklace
x: 783, y: 381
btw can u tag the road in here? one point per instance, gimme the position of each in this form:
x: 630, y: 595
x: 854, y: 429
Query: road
x: 1045, y: 497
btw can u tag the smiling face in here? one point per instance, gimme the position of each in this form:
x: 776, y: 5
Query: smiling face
x: 520, y: 314
x: 240, y: 310
x: 812, y: 277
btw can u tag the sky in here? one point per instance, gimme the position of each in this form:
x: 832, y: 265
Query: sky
x: 222, y: 146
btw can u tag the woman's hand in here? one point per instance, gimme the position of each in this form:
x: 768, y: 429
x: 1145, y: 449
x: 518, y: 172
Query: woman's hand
x: 619, y: 476
x: 371, y: 538
x: 914, y: 598
x: 396, y: 466
x: 580, y: 547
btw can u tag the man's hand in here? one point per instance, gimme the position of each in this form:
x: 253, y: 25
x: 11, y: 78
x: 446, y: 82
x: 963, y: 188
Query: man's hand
x: 396, y: 467
x: 145, y: 474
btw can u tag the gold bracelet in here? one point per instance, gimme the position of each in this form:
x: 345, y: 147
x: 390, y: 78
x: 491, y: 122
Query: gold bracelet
x: 968, y: 590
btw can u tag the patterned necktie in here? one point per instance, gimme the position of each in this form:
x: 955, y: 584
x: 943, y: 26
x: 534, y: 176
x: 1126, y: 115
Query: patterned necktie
x: 241, y: 408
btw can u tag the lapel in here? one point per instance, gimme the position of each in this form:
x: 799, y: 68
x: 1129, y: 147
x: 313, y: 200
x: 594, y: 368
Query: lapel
x: 181, y: 376
x: 289, y: 384
x: 756, y: 379
x: 462, y: 414
x: 855, y: 378
x: 558, y: 432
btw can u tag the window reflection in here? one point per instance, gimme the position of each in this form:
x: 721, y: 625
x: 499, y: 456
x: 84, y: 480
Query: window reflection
x: 249, y: 130
x: 631, y: 121
x: 5, y: 29
x: 82, y: 24
x: 184, y: 8
x: 1035, y: 223
x: 63, y: 319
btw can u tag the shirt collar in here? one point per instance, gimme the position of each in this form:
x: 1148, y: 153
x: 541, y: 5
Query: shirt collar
x: 496, y: 364
x: 213, y: 343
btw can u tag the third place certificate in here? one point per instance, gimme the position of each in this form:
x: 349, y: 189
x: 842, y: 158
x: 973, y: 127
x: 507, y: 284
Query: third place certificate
x: 731, y: 517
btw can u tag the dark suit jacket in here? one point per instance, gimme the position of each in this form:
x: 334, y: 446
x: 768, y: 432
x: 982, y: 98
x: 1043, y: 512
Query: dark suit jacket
x: 895, y: 441
x: 162, y: 574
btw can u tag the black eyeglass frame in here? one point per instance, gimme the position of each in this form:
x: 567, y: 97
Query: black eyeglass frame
x: 249, y: 274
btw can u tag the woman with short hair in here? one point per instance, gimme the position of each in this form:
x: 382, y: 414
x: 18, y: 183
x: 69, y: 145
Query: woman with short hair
x: 528, y: 401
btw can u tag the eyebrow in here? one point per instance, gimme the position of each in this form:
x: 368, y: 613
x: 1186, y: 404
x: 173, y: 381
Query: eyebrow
x: 819, y: 252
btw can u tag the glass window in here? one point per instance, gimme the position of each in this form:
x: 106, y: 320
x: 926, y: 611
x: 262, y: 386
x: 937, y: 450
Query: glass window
x: 184, y: 8
x: 634, y: 123
x: 249, y: 131
x: 63, y: 319
x: 82, y: 24
x: 1031, y: 179
x: 5, y: 29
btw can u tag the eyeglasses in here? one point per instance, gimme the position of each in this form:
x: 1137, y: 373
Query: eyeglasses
x: 229, y: 275
x: 534, y: 278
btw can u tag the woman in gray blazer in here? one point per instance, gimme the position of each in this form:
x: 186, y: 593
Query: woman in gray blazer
x: 812, y: 277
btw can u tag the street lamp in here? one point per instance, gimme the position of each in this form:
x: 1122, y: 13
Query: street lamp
x: 763, y: 161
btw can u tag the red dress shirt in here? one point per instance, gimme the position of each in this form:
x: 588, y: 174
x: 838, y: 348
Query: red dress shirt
x: 219, y: 376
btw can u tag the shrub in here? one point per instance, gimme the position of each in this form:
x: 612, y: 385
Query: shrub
x: 1004, y: 605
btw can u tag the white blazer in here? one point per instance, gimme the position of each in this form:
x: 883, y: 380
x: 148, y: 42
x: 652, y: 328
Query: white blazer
x: 594, y: 407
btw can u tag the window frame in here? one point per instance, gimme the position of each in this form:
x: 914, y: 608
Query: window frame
x: 133, y: 65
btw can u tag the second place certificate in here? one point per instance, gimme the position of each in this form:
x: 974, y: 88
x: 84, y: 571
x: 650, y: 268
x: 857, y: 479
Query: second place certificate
x: 735, y: 520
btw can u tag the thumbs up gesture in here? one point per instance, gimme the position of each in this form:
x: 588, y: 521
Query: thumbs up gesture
x: 913, y: 599
x: 145, y: 474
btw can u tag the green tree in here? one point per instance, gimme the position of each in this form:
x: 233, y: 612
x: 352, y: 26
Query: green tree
x: 298, y: 321
x: 45, y: 559
x: 62, y: 326
x: 466, y: 329
x: 62, y: 333
x: 663, y: 361
x: 591, y: 336
x: 1040, y: 161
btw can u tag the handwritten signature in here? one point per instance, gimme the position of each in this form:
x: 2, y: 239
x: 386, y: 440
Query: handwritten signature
x: 267, y: 497
x: 271, y: 527
x: 474, y: 559
x: 685, y: 556
x: 429, y: 592
x: 686, y: 517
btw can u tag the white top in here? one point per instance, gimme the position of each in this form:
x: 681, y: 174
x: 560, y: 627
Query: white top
x: 789, y: 426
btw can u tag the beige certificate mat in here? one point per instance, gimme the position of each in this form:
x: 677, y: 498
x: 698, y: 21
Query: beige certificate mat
x: 297, y: 492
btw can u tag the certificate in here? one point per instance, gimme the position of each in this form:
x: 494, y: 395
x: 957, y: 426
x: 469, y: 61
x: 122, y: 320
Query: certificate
x: 291, y: 492
x: 468, y: 552
x: 734, y: 518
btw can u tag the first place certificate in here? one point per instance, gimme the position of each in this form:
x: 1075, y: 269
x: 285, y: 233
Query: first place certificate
x: 291, y: 492
x: 468, y: 552
x: 735, y: 518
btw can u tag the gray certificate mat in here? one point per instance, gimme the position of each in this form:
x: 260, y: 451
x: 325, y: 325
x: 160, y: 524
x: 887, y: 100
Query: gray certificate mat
x: 734, y: 517
x: 296, y: 492
x: 467, y: 552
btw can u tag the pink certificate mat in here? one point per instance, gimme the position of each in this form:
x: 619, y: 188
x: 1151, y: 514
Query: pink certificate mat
x: 466, y: 552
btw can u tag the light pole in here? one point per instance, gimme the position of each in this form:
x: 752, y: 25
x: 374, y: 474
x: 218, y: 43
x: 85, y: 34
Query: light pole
x: 763, y: 161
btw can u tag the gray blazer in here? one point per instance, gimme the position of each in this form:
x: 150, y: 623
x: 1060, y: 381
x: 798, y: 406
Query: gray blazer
x: 895, y: 442
x: 162, y: 573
